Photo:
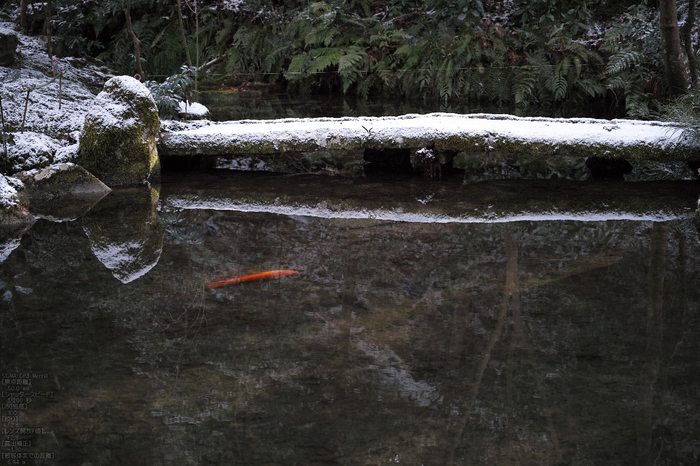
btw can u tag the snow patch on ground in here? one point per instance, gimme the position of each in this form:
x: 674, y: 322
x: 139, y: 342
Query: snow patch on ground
x: 66, y: 153
x: 194, y: 109
x: 31, y: 150
x: 34, y: 69
x: 7, y: 193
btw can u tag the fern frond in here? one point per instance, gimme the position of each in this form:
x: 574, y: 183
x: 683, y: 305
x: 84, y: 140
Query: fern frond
x: 327, y: 57
x: 560, y: 87
x: 624, y: 60
x: 525, y: 85
x: 350, y: 62
x: 591, y: 87
x: 297, y: 67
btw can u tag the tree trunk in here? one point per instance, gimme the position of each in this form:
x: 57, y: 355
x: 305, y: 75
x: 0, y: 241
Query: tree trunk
x: 137, y: 42
x: 23, y: 15
x: 196, y: 75
x: 671, y: 43
x: 182, y: 30
x: 688, y: 42
x: 47, y: 29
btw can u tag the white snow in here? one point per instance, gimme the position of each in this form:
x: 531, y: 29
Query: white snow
x: 6, y: 249
x: 105, y: 109
x: 56, y: 110
x: 133, y: 86
x: 232, y: 5
x: 7, y: 193
x: 113, y: 108
x: 31, y: 149
x: 47, y: 172
x: 193, y: 108
x: 66, y: 153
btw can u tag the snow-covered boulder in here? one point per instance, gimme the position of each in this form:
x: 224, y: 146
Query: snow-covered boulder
x: 29, y: 150
x: 192, y: 111
x: 118, y: 139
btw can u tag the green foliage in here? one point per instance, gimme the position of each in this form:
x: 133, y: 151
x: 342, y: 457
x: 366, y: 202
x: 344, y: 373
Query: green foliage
x: 573, y: 15
x: 685, y: 110
x: 258, y: 52
x: 334, y: 49
x: 172, y: 91
x: 634, y: 72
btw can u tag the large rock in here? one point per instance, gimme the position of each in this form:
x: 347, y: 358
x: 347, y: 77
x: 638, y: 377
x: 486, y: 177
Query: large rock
x: 118, y: 140
x: 60, y: 192
x: 61, y: 179
x: 8, y: 47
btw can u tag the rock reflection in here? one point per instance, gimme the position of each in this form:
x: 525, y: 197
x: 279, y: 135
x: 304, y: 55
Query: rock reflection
x: 392, y: 377
x: 7, y: 245
x: 125, y: 232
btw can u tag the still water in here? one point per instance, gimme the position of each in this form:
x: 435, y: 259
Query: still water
x: 430, y: 324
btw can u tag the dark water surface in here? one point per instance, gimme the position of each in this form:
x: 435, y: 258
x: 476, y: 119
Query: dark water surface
x: 430, y: 323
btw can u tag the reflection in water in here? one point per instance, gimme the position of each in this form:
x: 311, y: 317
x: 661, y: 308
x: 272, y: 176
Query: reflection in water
x: 125, y: 233
x: 652, y: 359
x: 7, y: 246
x: 455, y: 343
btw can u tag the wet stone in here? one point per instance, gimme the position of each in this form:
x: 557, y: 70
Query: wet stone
x: 60, y: 192
x: 62, y: 179
x: 653, y: 170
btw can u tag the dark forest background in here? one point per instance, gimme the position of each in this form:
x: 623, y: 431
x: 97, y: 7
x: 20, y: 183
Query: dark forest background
x: 625, y: 56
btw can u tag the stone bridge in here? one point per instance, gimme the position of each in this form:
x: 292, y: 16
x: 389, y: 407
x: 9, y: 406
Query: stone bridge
x: 479, y: 146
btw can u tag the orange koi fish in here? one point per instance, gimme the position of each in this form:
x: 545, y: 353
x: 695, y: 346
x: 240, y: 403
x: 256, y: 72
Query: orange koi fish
x: 256, y: 276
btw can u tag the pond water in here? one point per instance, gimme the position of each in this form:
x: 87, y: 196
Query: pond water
x: 430, y: 323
